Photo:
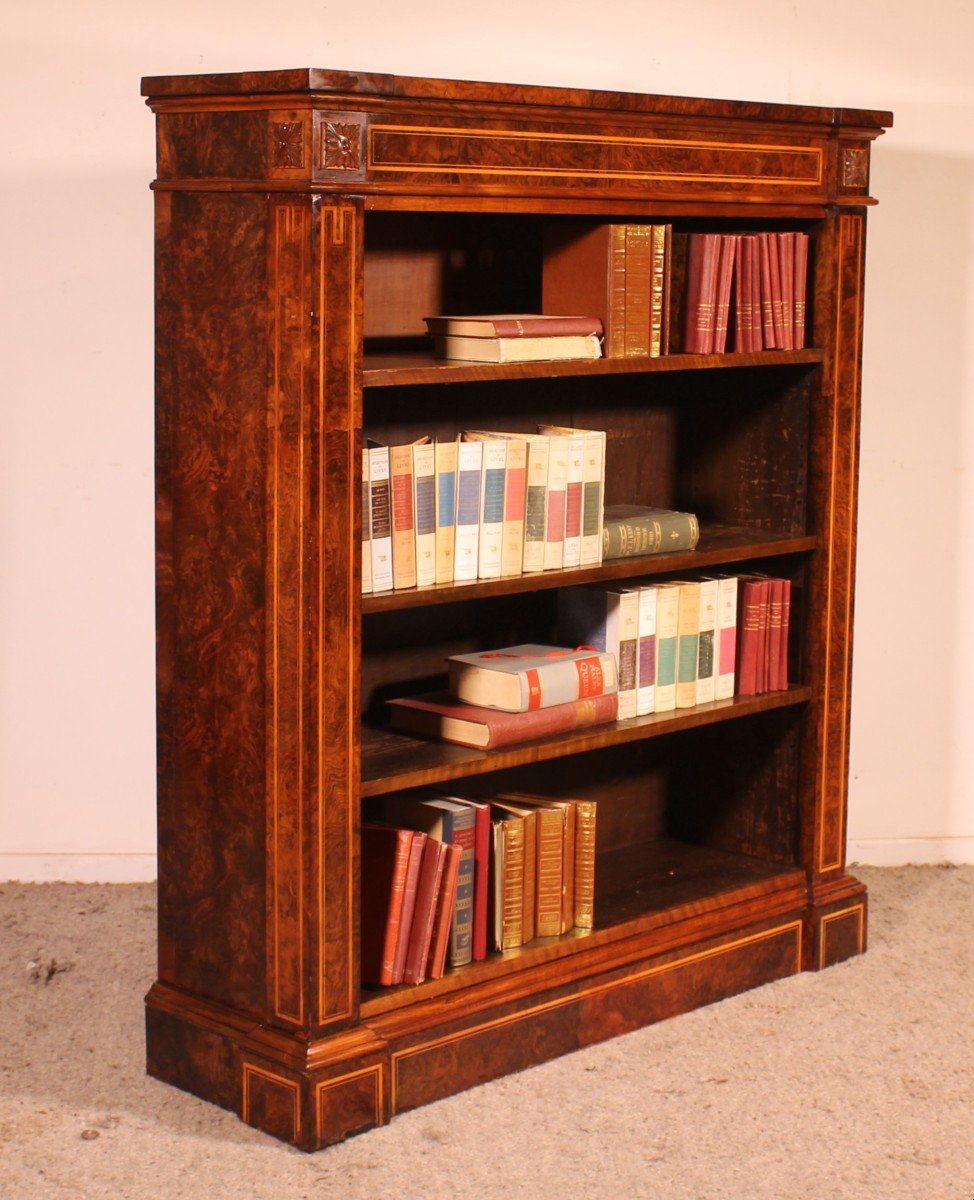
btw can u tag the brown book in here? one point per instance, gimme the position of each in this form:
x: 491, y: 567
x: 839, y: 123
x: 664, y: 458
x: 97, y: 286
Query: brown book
x: 421, y: 929
x: 438, y: 715
x: 565, y: 811
x: 801, y: 287
x: 443, y: 916
x: 701, y: 284
x: 639, y: 289
x: 385, y: 859
x: 584, y: 270
x: 667, y: 289
x: 410, y: 889
x: 549, y: 828
x: 657, y: 288
x: 507, y: 881
x: 585, y: 812
x: 529, y: 877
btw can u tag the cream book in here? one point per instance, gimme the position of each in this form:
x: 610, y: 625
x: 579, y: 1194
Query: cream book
x: 446, y: 508
x: 535, y: 500
x: 554, y: 538
x: 366, y: 527
x: 518, y: 349
x: 646, y: 651
x: 706, y: 648
x: 491, y: 502
x: 469, y: 471
x: 667, y: 623
x: 725, y: 666
x: 687, y: 645
x: 380, y: 509
x: 593, y: 490
x: 424, y: 508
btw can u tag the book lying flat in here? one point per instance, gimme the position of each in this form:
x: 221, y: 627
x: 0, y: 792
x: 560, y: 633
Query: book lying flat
x: 522, y: 678
x: 438, y: 715
x: 523, y: 349
x: 512, y: 325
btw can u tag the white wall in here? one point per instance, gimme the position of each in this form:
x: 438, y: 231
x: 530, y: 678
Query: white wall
x: 76, y: 615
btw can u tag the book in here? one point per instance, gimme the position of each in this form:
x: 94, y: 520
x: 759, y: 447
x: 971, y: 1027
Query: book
x: 439, y: 715
x: 801, y: 287
x: 725, y: 658
x: 776, y: 595
x: 687, y: 644
x: 608, y: 620
x: 658, y: 296
x: 441, y: 818
x: 785, y: 635
x: 701, y: 303
x: 706, y: 649
x: 639, y: 270
x: 385, y: 858
x: 408, y: 905
x: 443, y: 915
x: 481, y: 856
x: 535, y: 499
x: 529, y: 876
x: 786, y: 256
x: 646, y: 650
x: 593, y: 489
x: 403, y: 515
x: 554, y: 547
x: 551, y: 825
x: 366, y: 527
x: 513, y: 325
x: 584, y: 266
x: 667, y: 624
x: 424, y: 913
x: 380, y: 512
x: 727, y: 260
x: 522, y: 349
x: 424, y: 508
x: 768, y: 335
x: 491, y: 508
x: 515, y: 490
x: 469, y: 482
x: 445, y: 456
x: 584, y: 889
x: 530, y: 676
x: 506, y: 880
x: 631, y: 530
x: 749, y: 604
x: 574, y: 487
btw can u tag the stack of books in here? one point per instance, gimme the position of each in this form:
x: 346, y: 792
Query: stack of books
x: 753, y: 283
x: 515, y: 337
x: 445, y: 879
x: 488, y: 505
x: 503, y: 697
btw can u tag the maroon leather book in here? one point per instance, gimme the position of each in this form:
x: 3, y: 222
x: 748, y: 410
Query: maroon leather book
x: 749, y: 636
x: 513, y: 325
x: 776, y: 594
x: 408, y: 906
x: 757, y: 334
x: 725, y: 277
x: 767, y: 306
x: 443, y: 917
x: 438, y: 715
x: 786, y: 255
x: 421, y: 930
x: 385, y: 858
x: 764, y: 619
x: 777, y: 299
x: 584, y: 270
x: 785, y: 635
x: 702, y: 266
x: 747, y: 328
x: 801, y: 288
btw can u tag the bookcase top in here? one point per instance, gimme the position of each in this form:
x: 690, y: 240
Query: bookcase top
x: 331, y: 83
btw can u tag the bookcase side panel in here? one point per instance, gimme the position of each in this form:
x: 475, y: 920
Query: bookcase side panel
x: 833, y: 503
x: 212, y: 437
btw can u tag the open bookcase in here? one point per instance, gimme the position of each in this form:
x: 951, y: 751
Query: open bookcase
x: 306, y: 221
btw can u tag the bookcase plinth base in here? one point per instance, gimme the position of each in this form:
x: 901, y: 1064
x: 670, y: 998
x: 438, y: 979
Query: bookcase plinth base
x: 314, y: 1093
x: 837, y: 921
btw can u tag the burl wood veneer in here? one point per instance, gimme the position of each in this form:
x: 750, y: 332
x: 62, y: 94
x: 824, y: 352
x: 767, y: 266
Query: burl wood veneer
x: 303, y: 220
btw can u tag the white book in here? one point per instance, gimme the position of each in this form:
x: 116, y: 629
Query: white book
x: 667, y: 622
x: 380, y: 508
x: 492, y: 508
x: 706, y: 647
x: 725, y: 657
x: 466, y: 547
x: 515, y: 484
x: 535, y: 499
x: 593, y: 490
x: 366, y: 527
x: 424, y: 510
x: 446, y: 509
x: 608, y: 619
x: 554, y: 538
x: 646, y: 651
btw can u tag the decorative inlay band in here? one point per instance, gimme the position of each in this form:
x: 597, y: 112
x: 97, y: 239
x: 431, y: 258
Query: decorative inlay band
x: 860, y: 914
x: 322, y: 1089
x: 469, y: 151
x: 251, y: 1072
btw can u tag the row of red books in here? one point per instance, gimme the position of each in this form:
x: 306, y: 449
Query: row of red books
x: 444, y: 878
x: 765, y: 621
x: 754, y: 284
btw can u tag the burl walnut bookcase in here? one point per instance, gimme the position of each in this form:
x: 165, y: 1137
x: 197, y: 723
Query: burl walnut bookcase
x: 306, y: 221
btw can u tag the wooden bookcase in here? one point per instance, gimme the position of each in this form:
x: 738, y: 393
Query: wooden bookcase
x: 305, y: 221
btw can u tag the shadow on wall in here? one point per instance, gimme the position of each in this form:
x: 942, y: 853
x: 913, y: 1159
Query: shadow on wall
x: 911, y: 642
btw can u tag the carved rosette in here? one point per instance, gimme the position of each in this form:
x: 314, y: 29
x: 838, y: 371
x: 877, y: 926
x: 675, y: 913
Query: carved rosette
x: 340, y: 146
x: 855, y: 167
x: 288, y: 145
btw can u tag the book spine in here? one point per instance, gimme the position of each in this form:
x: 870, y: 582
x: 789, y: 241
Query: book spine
x: 785, y: 635
x: 727, y: 252
x: 749, y: 636
x: 515, y: 486
x: 623, y: 631
x: 667, y: 619
x: 380, y: 501
x: 767, y: 301
x: 492, y: 509
x: 702, y: 294
x: 536, y: 504
x: 529, y: 879
x: 706, y: 650
x: 657, y: 283
x: 545, y: 327
x: 688, y: 645
x: 481, y: 855
x: 554, y: 546
x: 801, y: 288
x: 396, y: 901
x: 424, y: 508
x: 646, y: 682
x: 443, y: 919
x: 622, y: 538
x: 446, y: 509
x: 366, y: 527
x: 639, y: 262
x: 403, y: 522
x: 408, y: 906
x: 574, y: 488
x: 567, y: 867
x: 667, y: 288
x: 764, y: 619
x: 786, y: 255
x: 469, y: 463
x: 512, y: 887
x: 424, y: 914
x: 584, y: 907
x: 459, y: 831
x: 777, y: 297
x: 615, y: 341
x: 550, y: 858
x: 726, y: 645
x: 776, y: 590
x: 593, y: 498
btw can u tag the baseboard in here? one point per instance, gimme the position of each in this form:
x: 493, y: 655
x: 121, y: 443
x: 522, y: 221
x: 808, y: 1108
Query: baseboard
x: 78, y: 868
x: 896, y: 852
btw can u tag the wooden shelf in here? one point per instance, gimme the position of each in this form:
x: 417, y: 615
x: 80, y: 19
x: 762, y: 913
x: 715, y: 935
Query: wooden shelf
x: 392, y: 762
x: 420, y: 367
x: 667, y: 881
x: 719, y: 544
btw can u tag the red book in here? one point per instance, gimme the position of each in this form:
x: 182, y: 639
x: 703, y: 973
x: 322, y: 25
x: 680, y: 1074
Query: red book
x: 438, y: 715
x: 481, y: 855
x: 785, y: 630
x: 702, y: 265
x: 385, y: 858
x: 408, y: 906
x: 764, y: 617
x: 757, y: 335
x: 747, y: 326
x: 777, y: 299
x: 767, y: 306
x: 776, y: 594
x: 443, y: 916
x: 424, y: 914
x: 786, y: 255
x: 749, y: 636
x: 725, y: 277
x: 801, y: 287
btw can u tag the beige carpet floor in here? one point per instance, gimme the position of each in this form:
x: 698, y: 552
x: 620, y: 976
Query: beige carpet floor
x: 853, y: 1084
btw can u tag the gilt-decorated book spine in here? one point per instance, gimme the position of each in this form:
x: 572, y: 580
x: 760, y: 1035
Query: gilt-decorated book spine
x: 550, y: 857
x: 657, y: 297
x: 667, y: 624
x: 508, y: 884
x: 584, y: 908
x: 639, y: 266
x: 403, y: 521
x: 725, y: 276
x: 801, y: 287
x: 462, y: 833
x: 574, y: 488
x: 786, y: 254
x: 554, y: 546
x: 408, y: 906
x: 702, y: 264
x: 615, y: 337
x: 767, y: 301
